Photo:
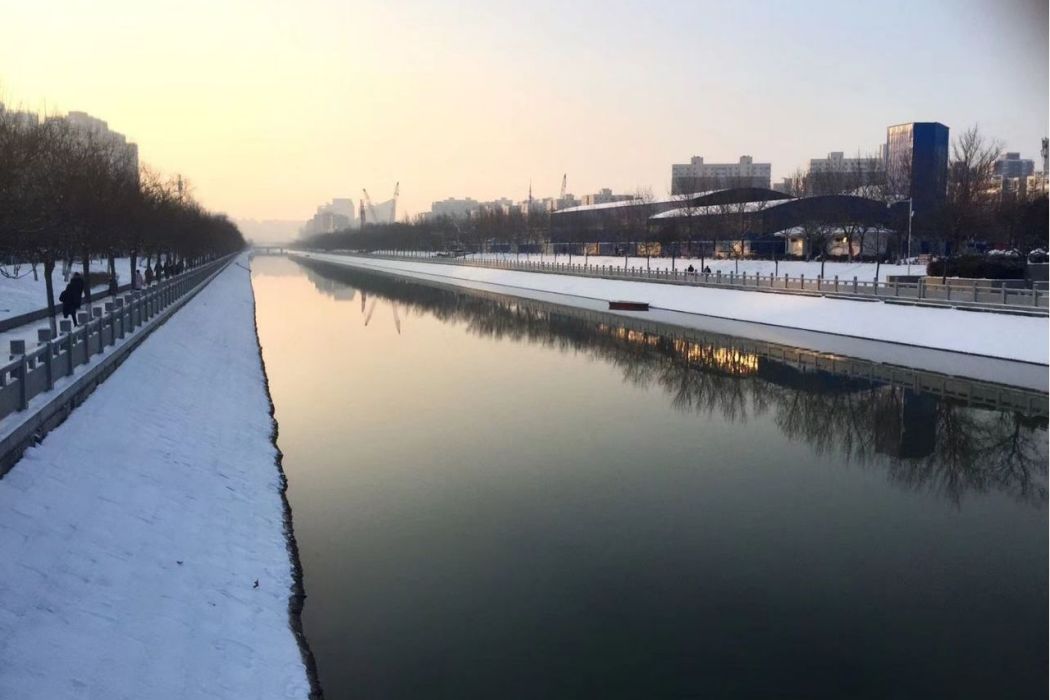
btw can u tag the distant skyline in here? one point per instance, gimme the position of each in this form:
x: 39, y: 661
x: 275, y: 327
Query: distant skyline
x: 272, y: 108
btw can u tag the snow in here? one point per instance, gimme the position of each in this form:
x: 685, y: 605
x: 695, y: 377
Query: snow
x: 735, y: 208
x: 25, y: 294
x: 863, y: 271
x: 133, y: 535
x: 636, y: 201
x: 994, y: 335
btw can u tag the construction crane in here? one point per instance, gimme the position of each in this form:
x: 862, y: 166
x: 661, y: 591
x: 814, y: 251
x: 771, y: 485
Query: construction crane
x: 564, y: 181
x: 371, y: 209
x: 393, y: 204
x: 361, y: 212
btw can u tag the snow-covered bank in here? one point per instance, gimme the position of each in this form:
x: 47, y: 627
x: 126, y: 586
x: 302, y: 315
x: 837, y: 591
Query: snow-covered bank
x: 24, y: 293
x: 986, y: 334
x: 143, y: 541
x: 864, y: 271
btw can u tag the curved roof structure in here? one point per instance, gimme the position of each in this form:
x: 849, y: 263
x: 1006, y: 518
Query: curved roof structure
x: 766, y: 217
x: 733, y: 195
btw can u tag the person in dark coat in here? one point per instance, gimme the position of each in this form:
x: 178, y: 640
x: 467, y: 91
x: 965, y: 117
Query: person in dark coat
x: 71, y: 297
x: 149, y: 275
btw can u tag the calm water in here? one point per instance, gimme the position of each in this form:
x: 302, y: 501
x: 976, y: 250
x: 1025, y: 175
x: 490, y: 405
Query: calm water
x: 492, y: 500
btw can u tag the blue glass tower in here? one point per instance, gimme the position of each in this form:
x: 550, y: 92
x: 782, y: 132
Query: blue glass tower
x: 917, y: 164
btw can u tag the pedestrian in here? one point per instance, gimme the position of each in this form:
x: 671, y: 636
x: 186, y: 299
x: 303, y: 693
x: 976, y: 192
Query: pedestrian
x: 707, y: 270
x: 136, y: 280
x: 690, y: 269
x: 149, y: 275
x: 113, y: 286
x: 71, y: 297
x: 159, y: 270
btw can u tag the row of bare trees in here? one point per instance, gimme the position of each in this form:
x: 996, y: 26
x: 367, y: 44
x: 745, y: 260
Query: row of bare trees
x: 68, y: 194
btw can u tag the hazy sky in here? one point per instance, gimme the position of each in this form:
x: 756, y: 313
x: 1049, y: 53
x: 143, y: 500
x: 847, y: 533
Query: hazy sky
x: 271, y: 107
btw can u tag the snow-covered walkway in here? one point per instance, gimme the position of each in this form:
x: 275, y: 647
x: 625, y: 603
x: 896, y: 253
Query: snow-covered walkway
x: 143, y: 544
x: 990, y: 335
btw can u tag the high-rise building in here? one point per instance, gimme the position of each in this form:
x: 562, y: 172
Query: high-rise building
x: 337, y: 215
x: 603, y: 196
x: 21, y: 120
x: 124, y: 153
x: 1012, y: 165
x: 454, y: 208
x: 917, y: 164
x: 837, y: 174
x: 698, y: 176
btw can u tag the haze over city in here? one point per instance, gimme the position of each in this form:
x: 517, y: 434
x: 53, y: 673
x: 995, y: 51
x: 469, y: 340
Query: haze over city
x: 271, y: 108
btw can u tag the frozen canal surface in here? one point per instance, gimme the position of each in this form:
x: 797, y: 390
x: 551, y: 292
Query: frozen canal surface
x: 492, y: 500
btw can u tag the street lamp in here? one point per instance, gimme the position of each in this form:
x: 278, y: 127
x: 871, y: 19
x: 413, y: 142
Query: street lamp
x: 911, y: 213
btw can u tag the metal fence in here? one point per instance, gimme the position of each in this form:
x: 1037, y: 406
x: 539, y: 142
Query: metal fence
x: 955, y: 292
x: 33, y: 371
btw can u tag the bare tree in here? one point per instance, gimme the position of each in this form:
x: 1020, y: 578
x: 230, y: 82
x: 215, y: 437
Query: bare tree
x: 969, y: 205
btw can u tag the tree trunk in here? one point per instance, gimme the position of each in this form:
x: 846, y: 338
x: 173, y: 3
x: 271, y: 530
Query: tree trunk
x: 87, y: 278
x: 49, y: 285
x: 134, y: 263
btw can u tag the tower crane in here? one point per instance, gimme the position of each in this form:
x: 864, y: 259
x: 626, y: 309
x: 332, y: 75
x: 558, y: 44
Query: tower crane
x: 371, y: 209
x: 393, y: 203
x: 564, y: 179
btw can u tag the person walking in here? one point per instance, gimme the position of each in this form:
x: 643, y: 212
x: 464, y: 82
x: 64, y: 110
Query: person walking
x: 71, y: 297
x: 136, y: 281
x: 149, y: 275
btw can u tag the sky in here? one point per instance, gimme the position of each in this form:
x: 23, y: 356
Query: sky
x: 271, y: 107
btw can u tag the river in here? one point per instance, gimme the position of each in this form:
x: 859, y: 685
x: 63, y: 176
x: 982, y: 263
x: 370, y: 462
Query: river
x: 497, y: 499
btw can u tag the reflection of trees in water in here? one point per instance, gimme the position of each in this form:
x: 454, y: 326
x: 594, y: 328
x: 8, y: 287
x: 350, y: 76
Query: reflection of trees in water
x: 925, y: 442
x: 981, y: 451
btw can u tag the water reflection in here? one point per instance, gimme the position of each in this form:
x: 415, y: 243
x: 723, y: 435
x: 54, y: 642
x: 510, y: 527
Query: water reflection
x: 940, y: 444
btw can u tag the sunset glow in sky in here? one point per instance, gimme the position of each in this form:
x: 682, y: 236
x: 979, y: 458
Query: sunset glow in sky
x: 272, y: 107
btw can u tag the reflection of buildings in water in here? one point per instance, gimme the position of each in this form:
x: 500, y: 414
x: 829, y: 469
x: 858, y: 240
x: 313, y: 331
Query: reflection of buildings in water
x: 922, y: 440
x: 905, y: 423
x: 333, y: 288
x: 728, y: 360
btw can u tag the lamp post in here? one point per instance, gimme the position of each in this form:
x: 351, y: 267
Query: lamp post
x: 911, y: 213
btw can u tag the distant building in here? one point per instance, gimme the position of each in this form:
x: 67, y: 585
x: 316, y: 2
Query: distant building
x: 125, y: 154
x: 837, y: 174
x: 604, y: 196
x: 501, y: 205
x: 337, y: 215
x: 698, y: 176
x: 343, y: 207
x: 1020, y: 188
x: 917, y: 164
x: 454, y: 208
x: 24, y: 120
x: 566, y: 202
x: 1012, y: 165
x: 786, y: 186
